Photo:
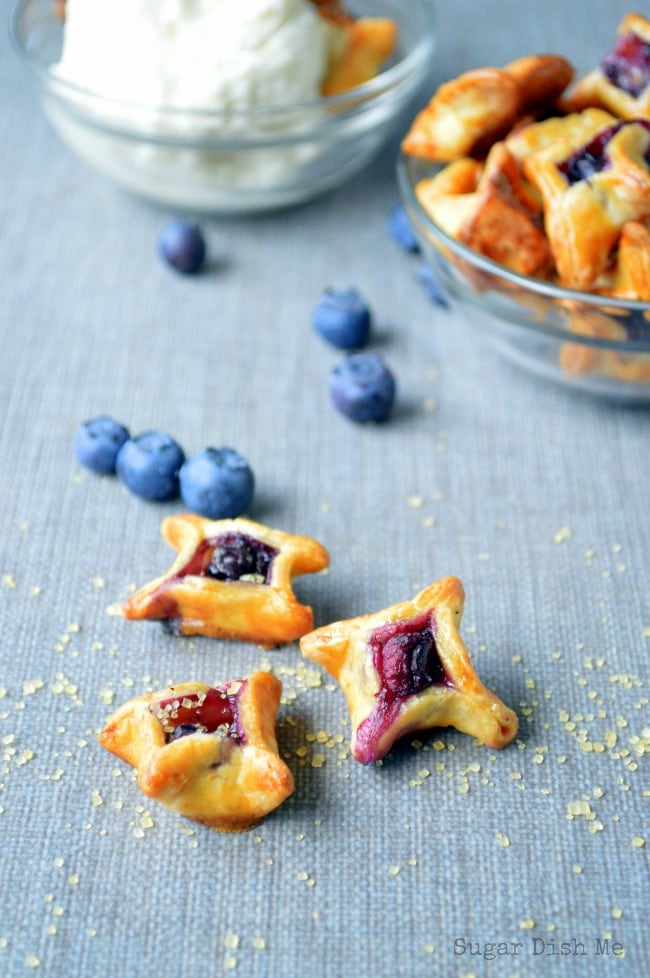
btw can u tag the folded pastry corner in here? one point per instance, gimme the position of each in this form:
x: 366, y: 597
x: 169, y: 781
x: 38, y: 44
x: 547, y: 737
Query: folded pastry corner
x: 406, y: 668
x: 471, y: 112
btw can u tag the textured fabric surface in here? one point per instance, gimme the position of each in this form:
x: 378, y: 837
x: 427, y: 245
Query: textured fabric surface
x: 447, y: 855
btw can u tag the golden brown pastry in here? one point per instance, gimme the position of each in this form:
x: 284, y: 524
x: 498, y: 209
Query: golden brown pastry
x: 621, y: 83
x: 366, y: 44
x: 492, y: 209
x: 507, y: 224
x: 231, y: 579
x: 479, y: 106
x: 333, y: 10
x: 449, y: 197
x: 208, y: 753
x: 541, y: 78
x: 471, y: 112
x: 578, y: 359
x: 534, y: 137
x: 590, y: 190
x: 406, y: 668
x: 629, y: 275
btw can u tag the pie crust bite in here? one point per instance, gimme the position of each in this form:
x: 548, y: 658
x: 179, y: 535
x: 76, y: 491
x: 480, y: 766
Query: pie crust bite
x: 208, y: 753
x: 469, y: 113
x: 231, y: 579
x: 621, y: 82
x: 365, y: 44
x: 406, y: 668
x: 590, y: 190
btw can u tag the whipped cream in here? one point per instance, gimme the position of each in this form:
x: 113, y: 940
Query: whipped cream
x: 199, y: 54
x: 145, y: 59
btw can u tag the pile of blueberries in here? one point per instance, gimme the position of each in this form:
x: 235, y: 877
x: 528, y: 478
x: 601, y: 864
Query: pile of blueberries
x: 217, y: 483
x: 363, y: 386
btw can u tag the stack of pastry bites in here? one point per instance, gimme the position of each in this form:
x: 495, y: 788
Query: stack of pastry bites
x: 547, y: 179
x: 547, y: 176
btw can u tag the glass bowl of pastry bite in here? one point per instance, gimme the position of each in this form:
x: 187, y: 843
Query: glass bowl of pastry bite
x: 220, y: 107
x: 533, y: 211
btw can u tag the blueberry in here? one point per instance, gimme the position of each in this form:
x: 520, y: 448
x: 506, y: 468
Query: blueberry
x: 148, y: 465
x: 97, y: 443
x: 363, y: 387
x: 431, y: 286
x: 400, y: 229
x: 342, y: 317
x: 182, y: 246
x: 217, y: 483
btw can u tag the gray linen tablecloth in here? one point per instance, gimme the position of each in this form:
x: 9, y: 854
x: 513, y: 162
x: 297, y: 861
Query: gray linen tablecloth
x: 450, y: 859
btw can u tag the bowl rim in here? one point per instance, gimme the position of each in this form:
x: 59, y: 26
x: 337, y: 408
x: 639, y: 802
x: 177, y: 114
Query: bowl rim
x: 401, y: 74
x: 406, y: 166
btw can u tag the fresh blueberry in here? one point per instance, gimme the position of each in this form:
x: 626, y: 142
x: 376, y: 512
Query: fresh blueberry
x: 182, y: 246
x: 148, y: 465
x: 363, y: 387
x: 431, y: 286
x: 343, y: 318
x: 400, y: 229
x: 217, y: 483
x: 97, y: 443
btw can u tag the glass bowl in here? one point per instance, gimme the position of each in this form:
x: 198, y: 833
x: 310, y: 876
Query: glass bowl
x: 229, y: 161
x: 589, y: 342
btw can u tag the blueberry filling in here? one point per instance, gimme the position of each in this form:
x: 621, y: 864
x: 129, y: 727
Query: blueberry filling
x: 627, y: 66
x: 183, y: 730
x: 232, y: 557
x: 592, y: 158
x: 406, y: 658
x: 229, y: 557
x: 217, y: 709
x: 405, y: 655
x: 238, y: 555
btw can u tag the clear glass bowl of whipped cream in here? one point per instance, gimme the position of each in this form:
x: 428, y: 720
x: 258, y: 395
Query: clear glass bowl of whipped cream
x: 219, y: 109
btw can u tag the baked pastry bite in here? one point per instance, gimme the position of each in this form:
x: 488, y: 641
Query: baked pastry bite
x: 449, y: 197
x: 208, y: 753
x: 542, y: 78
x: 507, y: 224
x: 480, y: 105
x: 231, y: 579
x: 365, y: 44
x: 590, y: 190
x: 578, y: 359
x: 535, y: 136
x: 629, y: 274
x: 621, y: 82
x: 406, y: 668
x: 491, y: 208
x: 333, y: 10
x: 471, y: 112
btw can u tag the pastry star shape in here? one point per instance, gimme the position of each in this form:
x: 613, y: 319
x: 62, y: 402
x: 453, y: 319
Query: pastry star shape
x: 406, y: 668
x: 591, y: 189
x: 208, y: 753
x: 621, y: 82
x: 231, y: 579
